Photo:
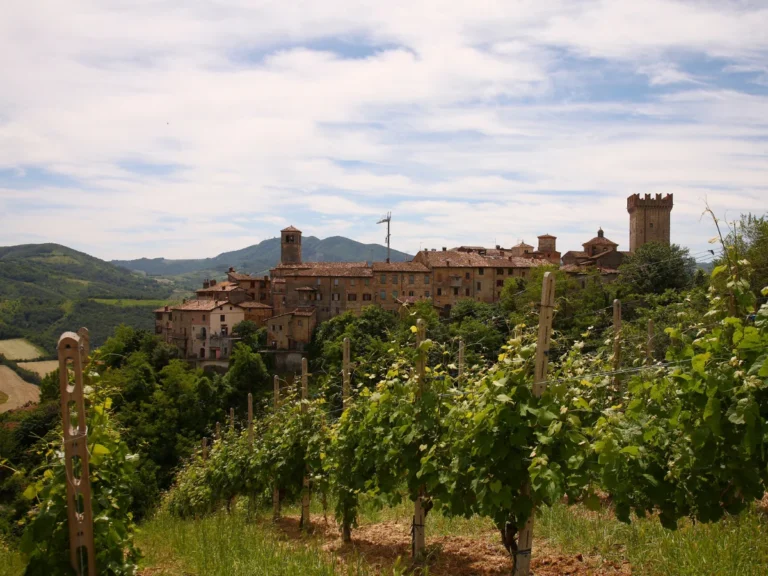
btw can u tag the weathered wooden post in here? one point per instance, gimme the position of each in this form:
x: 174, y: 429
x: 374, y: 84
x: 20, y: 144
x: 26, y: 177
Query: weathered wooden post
x: 79, y: 511
x: 461, y: 359
x: 525, y: 540
x: 419, y: 537
x: 649, y: 344
x: 305, y: 492
x: 218, y: 431
x: 250, y: 418
x: 85, y: 344
x: 276, y: 489
x: 232, y: 420
x: 616, y: 342
x: 345, y: 387
x: 205, y: 449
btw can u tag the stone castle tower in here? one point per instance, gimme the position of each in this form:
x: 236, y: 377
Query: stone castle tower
x: 648, y: 219
x: 290, y: 246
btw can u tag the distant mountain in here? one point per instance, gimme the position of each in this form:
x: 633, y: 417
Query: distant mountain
x: 47, y: 289
x: 259, y: 258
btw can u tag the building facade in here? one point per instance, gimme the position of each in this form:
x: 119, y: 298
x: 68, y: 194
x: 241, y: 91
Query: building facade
x: 649, y: 219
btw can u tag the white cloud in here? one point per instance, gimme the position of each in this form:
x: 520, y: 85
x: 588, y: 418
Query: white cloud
x: 471, y: 122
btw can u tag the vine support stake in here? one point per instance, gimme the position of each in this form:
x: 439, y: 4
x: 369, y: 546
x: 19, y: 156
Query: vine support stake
x: 419, y: 537
x: 250, y: 418
x: 345, y: 375
x: 461, y: 359
x: 79, y: 512
x: 525, y: 540
x: 276, y: 489
x: 305, y: 482
x: 231, y: 419
x: 616, y: 342
x: 649, y: 344
x: 205, y: 449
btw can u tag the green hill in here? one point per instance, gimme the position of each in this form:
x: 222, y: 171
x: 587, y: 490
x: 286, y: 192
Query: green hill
x: 259, y: 258
x: 46, y: 289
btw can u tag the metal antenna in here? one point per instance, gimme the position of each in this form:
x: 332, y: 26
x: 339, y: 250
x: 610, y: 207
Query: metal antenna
x: 387, y: 219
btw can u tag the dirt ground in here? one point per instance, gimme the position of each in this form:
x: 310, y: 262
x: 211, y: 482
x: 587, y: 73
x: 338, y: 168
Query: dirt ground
x: 380, y: 545
x: 41, y: 368
x: 19, y: 349
x: 19, y: 392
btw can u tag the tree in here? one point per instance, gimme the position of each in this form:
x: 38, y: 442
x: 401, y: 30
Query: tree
x: 251, y: 335
x: 247, y: 373
x: 750, y: 240
x: 656, y: 267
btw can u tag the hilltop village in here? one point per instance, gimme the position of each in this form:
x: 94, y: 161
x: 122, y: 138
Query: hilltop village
x: 298, y: 295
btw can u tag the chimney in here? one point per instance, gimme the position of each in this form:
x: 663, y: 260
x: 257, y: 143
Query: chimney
x: 498, y: 246
x: 184, y: 301
x: 166, y: 308
x: 444, y: 248
x: 213, y: 282
x: 231, y: 269
x: 206, y: 283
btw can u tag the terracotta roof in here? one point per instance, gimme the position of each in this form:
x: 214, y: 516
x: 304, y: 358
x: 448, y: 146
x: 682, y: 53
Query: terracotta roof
x: 163, y: 309
x: 547, y: 236
x: 290, y: 229
x: 330, y: 269
x: 220, y: 287
x: 522, y: 245
x: 297, y: 312
x: 204, y: 305
x: 250, y: 304
x: 516, y: 262
x: 599, y: 241
x: 452, y: 259
x: 399, y: 267
x: 241, y: 276
x: 309, y: 265
x: 306, y: 289
x: 576, y: 254
x: 278, y: 280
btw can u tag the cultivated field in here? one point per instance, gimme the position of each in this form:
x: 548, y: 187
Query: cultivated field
x: 41, y: 368
x: 127, y: 302
x: 18, y: 391
x: 20, y: 349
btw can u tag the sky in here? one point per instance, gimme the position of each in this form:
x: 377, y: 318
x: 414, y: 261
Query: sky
x: 183, y: 129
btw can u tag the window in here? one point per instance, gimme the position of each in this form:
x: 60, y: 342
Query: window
x: 650, y: 224
x: 351, y: 297
x: 230, y: 307
x: 479, y: 286
x: 367, y: 297
x: 439, y: 291
x: 426, y: 280
x: 335, y: 296
x: 335, y: 281
x: 319, y: 296
x: 466, y: 291
x: 352, y: 282
x: 410, y: 293
x: 426, y: 294
x: 289, y: 239
x: 253, y: 284
x: 394, y: 294
x: 394, y: 279
x: 456, y: 291
x: 299, y: 323
x: 466, y: 275
x: 481, y: 271
x: 222, y: 318
x: 439, y: 277
x: 499, y: 282
x: 411, y: 279
x: 500, y: 271
x: 367, y: 282
x: 224, y: 331
x: 318, y: 281
x: 203, y: 317
x: 383, y: 279
x: 280, y: 327
x: 274, y: 328
x: 263, y: 296
x: 509, y: 271
x: 383, y: 295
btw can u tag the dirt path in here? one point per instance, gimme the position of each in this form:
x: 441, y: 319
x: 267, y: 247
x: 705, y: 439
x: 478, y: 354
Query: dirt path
x: 381, y: 544
x: 19, y: 392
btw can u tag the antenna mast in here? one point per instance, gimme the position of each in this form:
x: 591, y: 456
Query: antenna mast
x: 387, y: 219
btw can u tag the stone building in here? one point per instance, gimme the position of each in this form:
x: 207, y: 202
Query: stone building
x: 257, y: 288
x: 649, y: 219
x: 398, y: 283
x: 202, y: 328
x: 291, y: 330
x: 164, y: 323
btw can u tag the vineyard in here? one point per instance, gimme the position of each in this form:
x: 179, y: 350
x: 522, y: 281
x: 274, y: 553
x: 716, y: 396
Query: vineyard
x: 661, y: 420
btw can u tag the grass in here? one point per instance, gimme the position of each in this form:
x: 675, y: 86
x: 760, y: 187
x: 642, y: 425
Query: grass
x: 127, y: 302
x: 11, y: 563
x: 229, y: 544
x: 735, y: 546
x: 20, y: 349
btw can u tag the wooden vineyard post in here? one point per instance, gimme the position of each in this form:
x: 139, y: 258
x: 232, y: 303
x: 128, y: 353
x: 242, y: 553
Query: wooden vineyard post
x: 276, y: 489
x: 79, y: 511
x: 232, y: 420
x: 85, y: 344
x: 419, y: 537
x: 250, y: 418
x: 218, y: 431
x: 345, y: 387
x: 649, y: 344
x: 461, y: 359
x: 616, y: 342
x: 305, y: 483
x: 205, y: 449
x: 525, y: 541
